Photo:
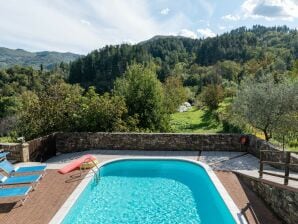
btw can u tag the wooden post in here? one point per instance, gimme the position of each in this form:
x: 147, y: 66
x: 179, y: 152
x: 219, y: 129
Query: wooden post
x: 261, y: 165
x: 283, y: 143
x: 287, y: 168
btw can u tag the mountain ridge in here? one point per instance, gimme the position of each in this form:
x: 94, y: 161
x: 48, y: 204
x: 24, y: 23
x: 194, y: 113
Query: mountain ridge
x: 10, y: 57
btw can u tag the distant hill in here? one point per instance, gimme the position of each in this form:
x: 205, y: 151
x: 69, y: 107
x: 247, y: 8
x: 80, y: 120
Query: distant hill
x: 252, y: 50
x: 160, y: 37
x: 10, y: 57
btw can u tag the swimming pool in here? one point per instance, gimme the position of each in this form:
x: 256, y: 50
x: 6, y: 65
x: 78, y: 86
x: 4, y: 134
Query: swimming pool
x: 153, y: 191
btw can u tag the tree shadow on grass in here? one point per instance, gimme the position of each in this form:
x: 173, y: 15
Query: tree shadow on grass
x: 209, y: 121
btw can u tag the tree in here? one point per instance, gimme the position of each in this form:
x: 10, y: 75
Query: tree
x: 211, y: 96
x: 175, y: 93
x: 51, y: 110
x: 144, y: 97
x: 266, y: 104
x: 64, y: 107
x: 104, y: 113
x: 229, y: 70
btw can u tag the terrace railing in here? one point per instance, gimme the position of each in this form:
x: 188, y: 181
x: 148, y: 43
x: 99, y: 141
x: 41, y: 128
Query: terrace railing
x: 286, y: 164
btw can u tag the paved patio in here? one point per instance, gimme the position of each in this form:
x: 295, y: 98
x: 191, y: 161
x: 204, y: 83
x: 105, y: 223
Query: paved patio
x: 243, y: 163
x: 229, y: 161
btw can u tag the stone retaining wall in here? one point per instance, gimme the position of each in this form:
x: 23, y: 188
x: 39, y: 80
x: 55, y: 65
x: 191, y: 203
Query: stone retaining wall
x: 43, y: 148
x: 18, y: 152
x: 78, y: 141
x: 256, y: 144
x: 281, y: 199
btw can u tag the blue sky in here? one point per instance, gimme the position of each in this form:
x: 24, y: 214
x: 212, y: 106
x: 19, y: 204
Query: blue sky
x: 83, y: 25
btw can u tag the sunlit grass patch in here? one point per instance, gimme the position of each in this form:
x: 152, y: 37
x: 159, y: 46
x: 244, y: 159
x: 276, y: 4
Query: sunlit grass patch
x: 195, y: 121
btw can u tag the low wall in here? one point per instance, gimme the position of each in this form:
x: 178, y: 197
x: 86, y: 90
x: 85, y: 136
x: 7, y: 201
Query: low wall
x: 77, y: 141
x: 281, y: 199
x: 18, y: 152
x: 43, y: 148
x: 256, y: 144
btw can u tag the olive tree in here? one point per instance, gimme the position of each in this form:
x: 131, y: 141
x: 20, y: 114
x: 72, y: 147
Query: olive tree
x: 267, y: 105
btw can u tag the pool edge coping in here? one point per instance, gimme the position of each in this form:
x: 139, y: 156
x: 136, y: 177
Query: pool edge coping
x: 70, y: 201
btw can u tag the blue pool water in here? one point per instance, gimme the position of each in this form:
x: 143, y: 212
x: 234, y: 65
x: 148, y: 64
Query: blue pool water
x: 150, y: 192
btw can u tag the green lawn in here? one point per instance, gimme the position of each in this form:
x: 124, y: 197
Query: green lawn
x: 202, y: 121
x: 195, y: 121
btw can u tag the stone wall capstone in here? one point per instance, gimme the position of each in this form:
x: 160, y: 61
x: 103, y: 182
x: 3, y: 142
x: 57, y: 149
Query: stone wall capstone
x: 18, y: 152
x: 79, y: 141
x: 281, y: 199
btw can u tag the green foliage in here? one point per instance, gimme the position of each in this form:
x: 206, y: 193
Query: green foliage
x: 211, y: 68
x: 64, y: 107
x: 144, y: 97
x: 17, y: 79
x: 228, y: 70
x: 104, y: 113
x: 175, y: 93
x: 7, y: 139
x: 51, y: 110
x: 102, y: 67
x: 232, y: 56
x: 8, y: 106
x: 225, y: 117
x: 211, y: 96
x: 267, y: 105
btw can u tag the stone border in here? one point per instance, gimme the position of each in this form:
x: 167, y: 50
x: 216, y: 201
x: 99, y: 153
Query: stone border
x: 238, y: 217
x: 64, y: 209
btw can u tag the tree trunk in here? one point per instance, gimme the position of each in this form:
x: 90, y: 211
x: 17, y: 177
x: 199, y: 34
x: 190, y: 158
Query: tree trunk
x: 267, y: 136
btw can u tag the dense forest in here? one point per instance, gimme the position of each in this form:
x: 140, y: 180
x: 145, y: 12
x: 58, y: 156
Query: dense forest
x: 248, y: 50
x: 137, y: 87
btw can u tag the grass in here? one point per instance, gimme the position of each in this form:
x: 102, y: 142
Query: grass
x: 203, y: 121
x: 293, y: 146
x: 195, y: 121
x: 7, y: 139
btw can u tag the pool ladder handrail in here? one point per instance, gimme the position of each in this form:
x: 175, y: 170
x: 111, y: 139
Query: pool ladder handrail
x: 87, y: 160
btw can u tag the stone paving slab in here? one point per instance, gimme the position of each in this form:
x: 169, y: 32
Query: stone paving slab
x: 59, y: 161
x: 214, y: 157
x: 246, y: 164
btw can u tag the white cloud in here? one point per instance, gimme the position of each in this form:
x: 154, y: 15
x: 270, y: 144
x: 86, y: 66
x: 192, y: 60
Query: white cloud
x: 271, y: 9
x: 206, y: 32
x: 222, y: 27
x: 80, y: 27
x: 86, y: 22
x: 231, y: 17
x: 165, y: 11
x: 187, y: 33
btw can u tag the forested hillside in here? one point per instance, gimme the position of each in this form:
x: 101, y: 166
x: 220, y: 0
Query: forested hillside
x: 242, y: 81
x: 48, y: 59
x: 246, y: 50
